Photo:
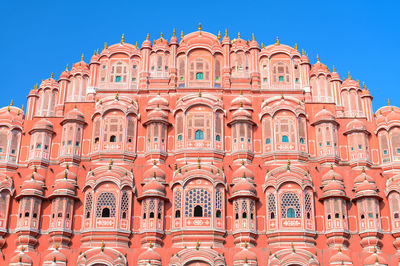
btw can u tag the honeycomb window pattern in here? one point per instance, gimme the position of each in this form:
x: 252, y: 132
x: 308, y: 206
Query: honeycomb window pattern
x: 124, y: 203
x: 307, y: 203
x: 178, y: 200
x: 106, y: 200
x: 271, y: 203
x: 89, y: 202
x: 198, y: 197
x: 218, y: 199
x: 290, y: 200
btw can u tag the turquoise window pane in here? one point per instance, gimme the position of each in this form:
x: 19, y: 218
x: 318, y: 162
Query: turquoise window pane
x: 199, y: 135
x: 285, y: 138
x: 118, y: 79
x: 290, y: 213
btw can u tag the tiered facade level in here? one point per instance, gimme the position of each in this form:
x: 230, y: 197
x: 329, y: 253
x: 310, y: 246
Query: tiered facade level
x: 202, y: 151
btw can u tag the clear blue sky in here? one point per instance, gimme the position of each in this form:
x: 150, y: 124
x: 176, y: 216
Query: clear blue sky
x: 40, y: 37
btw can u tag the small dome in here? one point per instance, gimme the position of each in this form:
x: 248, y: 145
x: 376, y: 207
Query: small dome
x: 365, y: 186
x: 64, y: 184
x: 22, y: 259
x: 363, y: 176
x: 324, y: 115
x: 349, y: 82
x: 55, y: 256
x: 339, y: 258
x: 319, y: 68
x: 331, y: 174
x: 35, y: 175
x: 32, y: 184
x: 241, y: 113
x: 66, y: 174
x: 160, y: 43
x: 243, y: 187
x: 149, y: 255
x: 393, y: 116
x: 241, y: 101
x: 158, y: 114
x: 65, y: 74
x: 154, y: 188
x: 75, y: 115
x: 332, y: 185
x: 375, y: 259
x: 243, y: 171
x: 154, y: 171
x: 244, y: 255
x: 158, y: 101
x: 43, y: 124
x: 355, y: 124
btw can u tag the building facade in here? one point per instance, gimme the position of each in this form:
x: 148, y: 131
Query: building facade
x: 200, y: 151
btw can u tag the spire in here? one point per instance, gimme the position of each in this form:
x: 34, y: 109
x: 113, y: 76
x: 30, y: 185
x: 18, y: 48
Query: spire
x: 303, y: 52
x: 388, y: 102
x: 295, y: 47
x: 173, y: 32
x: 136, y: 45
x: 52, y: 75
x: 219, y: 35
x: 317, y: 58
x: 226, y: 32
x: 105, y: 45
x: 122, y: 38
x: 262, y: 45
x: 12, y: 102
x: 82, y: 57
x: 333, y: 68
x: 22, y: 108
x: 364, y: 86
x: 239, y: 35
x: 252, y: 37
x: 148, y: 36
x: 348, y: 75
x: 161, y: 35
x: 199, y: 28
x: 181, y: 34
x: 277, y: 40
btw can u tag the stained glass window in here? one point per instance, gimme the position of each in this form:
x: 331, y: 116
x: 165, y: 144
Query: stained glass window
x: 289, y: 201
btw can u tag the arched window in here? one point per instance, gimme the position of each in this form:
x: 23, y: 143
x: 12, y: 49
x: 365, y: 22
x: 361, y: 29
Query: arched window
x: 105, y: 212
x: 124, y: 204
x: 88, y: 206
x: 307, y: 205
x: 280, y: 73
x: 118, y: 72
x: 290, y: 213
x: 271, y: 205
x: 285, y: 139
x: 199, y: 75
x: 177, y: 214
x: 151, y: 215
x: 198, y: 211
x: 290, y: 200
x: 218, y: 214
x: 113, y: 138
x: 199, y: 135
x: 272, y: 216
x: 106, y: 200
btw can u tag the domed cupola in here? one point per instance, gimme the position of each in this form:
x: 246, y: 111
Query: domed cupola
x: 55, y: 258
x: 375, y: 259
x: 21, y: 259
x: 154, y: 172
x: 161, y: 44
x: 241, y: 101
x: 32, y: 187
x: 146, y: 43
x: 149, y: 257
x: 319, y: 68
x: 245, y: 257
x: 332, y: 185
x: 355, y: 125
x: 42, y: 125
x: 65, y: 74
x: 242, y: 172
x: 324, y: 116
x: 74, y: 116
x: 81, y: 68
x: 243, y: 188
x: 340, y: 258
x: 153, y: 188
x: 158, y: 102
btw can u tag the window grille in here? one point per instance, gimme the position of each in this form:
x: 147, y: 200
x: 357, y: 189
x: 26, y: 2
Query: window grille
x: 271, y: 203
x: 106, y: 200
x: 218, y: 199
x: 290, y: 200
x: 124, y: 204
x: 307, y: 204
x: 178, y: 199
x: 198, y: 197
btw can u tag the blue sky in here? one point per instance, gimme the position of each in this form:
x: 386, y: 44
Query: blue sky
x: 40, y: 37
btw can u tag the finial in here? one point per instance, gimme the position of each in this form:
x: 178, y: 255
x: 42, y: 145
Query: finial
x: 181, y: 34
x: 12, y: 102
x: 333, y: 68
x: 197, y: 245
x: 35, y: 169
x: 364, y: 86
x: 295, y: 47
x: 82, y: 57
x: 52, y: 75
x: 219, y: 35
x: 277, y: 40
x: 262, y: 45
x: 199, y: 27
x: 252, y: 37
x: 105, y: 45
x: 199, y: 93
x: 97, y: 51
x: 161, y: 35
x: 117, y: 96
x: 288, y: 164
x: 303, y: 52
x: 150, y: 244
x: 122, y: 38
x: 239, y: 35
x: 148, y: 36
x: 348, y: 75
x: 102, y: 245
x: 173, y: 32
x: 226, y: 32
x: 136, y: 45
x: 245, y: 244
x: 388, y: 102
x: 317, y: 58
x: 22, y: 108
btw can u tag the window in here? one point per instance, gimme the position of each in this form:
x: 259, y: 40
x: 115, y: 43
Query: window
x: 290, y: 200
x: 198, y: 211
x: 124, y: 204
x: 218, y: 138
x: 244, y: 215
x: 119, y: 72
x: 271, y: 205
x: 385, y: 152
x: 199, y: 75
x: 88, y: 205
x: 281, y: 78
x: 113, y: 138
x: 218, y: 214
x: 38, y: 146
x: 370, y: 215
x: 272, y: 215
x: 290, y: 213
x: 285, y: 139
x: 180, y: 137
x: 329, y: 216
x: 362, y: 216
x: 177, y: 214
x: 151, y: 215
x: 96, y: 140
x: 26, y: 214
x: 106, y: 200
x: 199, y: 135
x: 118, y: 79
x: 105, y: 213
x: 337, y: 215
x: 268, y: 141
x: 301, y: 140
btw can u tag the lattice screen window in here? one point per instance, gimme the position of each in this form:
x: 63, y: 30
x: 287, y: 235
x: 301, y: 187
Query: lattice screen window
x: 119, y: 72
x: 199, y: 122
x: 36, y: 205
x: 284, y: 130
x: 199, y: 66
x: 252, y: 209
x: 3, y: 141
x: 181, y: 69
x: 394, y: 205
x: 218, y: 203
x: 308, y: 205
x: 218, y: 126
x: 384, y: 145
x: 124, y: 205
x: 27, y: 206
x: 217, y: 72
x: 131, y: 129
x: 198, y: 202
x: 236, y: 209
x: 396, y: 142
x: 106, y: 204
x: 151, y: 208
x: 271, y: 206
x: 60, y: 208
x: 3, y: 203
x: 88, y: 205
x: 113, y: 129
x: 144, y: 209
x: 245, y: 209
x: 280, y: 73
x: 159, y: 209
x: 179, y: 127
x: 302, y: 130
x: 267, y: 130
x: 290, y: 205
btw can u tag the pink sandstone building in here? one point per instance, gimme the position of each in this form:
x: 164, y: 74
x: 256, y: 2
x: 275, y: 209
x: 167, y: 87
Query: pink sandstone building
x: 202, y: 150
